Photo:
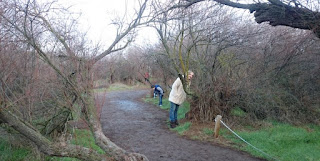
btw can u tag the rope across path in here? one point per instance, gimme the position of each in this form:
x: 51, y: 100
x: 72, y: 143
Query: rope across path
x: 257, y: 149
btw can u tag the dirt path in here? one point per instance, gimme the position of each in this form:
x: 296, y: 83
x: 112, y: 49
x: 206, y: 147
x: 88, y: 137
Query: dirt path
x: 140, y: 127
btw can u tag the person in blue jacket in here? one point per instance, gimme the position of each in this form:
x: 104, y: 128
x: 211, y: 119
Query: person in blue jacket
x: 158, y: 90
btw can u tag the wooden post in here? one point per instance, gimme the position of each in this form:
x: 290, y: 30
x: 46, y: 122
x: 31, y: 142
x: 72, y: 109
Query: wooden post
x: 217, y: 126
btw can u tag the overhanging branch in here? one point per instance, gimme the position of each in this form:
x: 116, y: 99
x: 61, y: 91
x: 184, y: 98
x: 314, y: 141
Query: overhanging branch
x: 278, y: 13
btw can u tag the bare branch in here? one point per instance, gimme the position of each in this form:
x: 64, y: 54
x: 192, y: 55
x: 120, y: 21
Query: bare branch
x: 277, y: 13
x: 135, y: 23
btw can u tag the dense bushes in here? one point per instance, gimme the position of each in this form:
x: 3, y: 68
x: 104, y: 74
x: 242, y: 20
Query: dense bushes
x: 277, y: 80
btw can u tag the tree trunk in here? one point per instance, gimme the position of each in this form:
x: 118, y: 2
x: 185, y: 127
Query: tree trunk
x: 60, y: 149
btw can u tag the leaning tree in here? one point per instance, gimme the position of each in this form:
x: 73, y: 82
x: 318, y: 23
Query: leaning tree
x: 49, y: 31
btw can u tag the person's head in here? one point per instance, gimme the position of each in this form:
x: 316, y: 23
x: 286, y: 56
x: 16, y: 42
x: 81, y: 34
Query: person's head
x: 190, y: 74
x: 152, y: 86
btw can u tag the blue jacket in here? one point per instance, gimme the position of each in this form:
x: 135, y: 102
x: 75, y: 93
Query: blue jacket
x: 157, y: 88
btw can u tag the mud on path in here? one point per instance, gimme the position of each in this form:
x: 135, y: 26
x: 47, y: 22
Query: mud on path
x: 140, y: 127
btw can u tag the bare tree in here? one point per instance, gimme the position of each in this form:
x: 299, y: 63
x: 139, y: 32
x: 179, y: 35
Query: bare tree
x: 178, y: 30
x: 235, y: 60
x: 55, y: 41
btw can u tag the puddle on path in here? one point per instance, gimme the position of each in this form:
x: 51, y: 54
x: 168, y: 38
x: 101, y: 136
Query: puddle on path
x: 126, y: 105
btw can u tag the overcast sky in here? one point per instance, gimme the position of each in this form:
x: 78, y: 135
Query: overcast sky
x: 96, y: 15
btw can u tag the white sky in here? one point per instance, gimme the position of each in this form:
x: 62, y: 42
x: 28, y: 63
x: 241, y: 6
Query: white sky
x: 96, y: 16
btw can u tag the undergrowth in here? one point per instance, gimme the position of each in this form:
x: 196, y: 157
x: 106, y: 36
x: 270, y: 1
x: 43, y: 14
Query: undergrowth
x: 9, y: 152
x: 277, y: 141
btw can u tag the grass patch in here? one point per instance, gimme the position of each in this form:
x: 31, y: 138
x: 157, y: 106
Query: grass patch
x: 84, y: 138
x: 9, y: 152
x: 282, y: 141
x: 155, y: 101
x: 182, y: 127
x: 238, y: 112
x: 208, y: 131
x: 119, y: 87
x: 183, y: 109
x: 61, y: 159
x: 100, y: 90
x: 81, y: 137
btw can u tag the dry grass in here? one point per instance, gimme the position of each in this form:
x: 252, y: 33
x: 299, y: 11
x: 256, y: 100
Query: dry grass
x: 203, y: 131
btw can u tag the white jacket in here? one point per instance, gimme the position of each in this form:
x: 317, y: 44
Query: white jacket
x: 177, y: 94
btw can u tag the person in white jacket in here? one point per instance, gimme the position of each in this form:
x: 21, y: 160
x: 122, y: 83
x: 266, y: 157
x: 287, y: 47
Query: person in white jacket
x: 176, y: 97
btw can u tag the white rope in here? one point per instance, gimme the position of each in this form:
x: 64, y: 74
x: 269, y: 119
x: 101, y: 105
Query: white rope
x: 248, y: 142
